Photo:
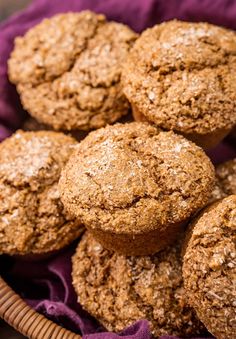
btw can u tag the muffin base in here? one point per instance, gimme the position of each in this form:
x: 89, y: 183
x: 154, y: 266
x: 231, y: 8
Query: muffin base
x: 209, y: 140
x: 139, y: 244
x: 206, y: 141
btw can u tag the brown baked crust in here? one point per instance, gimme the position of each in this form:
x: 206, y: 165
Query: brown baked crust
x: 32, y: 217
x: 119, y: 290
x: 209, y: 268
x: 225, y: 180
x: 123, y: 179
x: 67, y: 70
x: 182, y: 76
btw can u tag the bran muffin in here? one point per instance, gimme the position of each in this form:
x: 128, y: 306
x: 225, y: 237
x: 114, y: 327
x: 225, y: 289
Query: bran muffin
x: 135, y: 187
x: 209, y: 267
x: 225, y: 180
x: 67, y: 70
x: 182, y: 76
x: 119, y: 290
x: 33, y: 221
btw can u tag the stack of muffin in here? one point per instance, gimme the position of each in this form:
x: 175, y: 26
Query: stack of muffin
x: 152, y: 249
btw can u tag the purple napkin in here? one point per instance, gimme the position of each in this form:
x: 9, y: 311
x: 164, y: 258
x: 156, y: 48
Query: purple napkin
x: 46, y: 285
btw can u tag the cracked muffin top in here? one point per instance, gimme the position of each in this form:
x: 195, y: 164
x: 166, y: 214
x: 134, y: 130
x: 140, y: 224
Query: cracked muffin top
x: 32, y: 217
x: 182, y: 76
x: 129, y: 178
x: 119, y: 290
x: 225, y: 180
x: 209, y: 267
x: 67, y: 70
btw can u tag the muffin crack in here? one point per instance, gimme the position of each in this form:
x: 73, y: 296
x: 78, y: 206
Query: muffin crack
x: 121, y: 175
x: 73, y: 80
x: 168, y: 69
x: 33, y: 220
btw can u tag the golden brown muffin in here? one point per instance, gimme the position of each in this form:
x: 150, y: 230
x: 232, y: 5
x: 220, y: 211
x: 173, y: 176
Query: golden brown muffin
x: 67, y: 70
x: 32, y: 218
x: 135, y: 187
x: 225, y: 180
x: 209, y: 268
x: 119, y: 290
x: 182, y: 76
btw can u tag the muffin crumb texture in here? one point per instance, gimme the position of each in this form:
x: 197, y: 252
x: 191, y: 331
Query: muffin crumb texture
x: 209, y: 268
x: 127, y: 180
x: 67, y: 70
x: 119, y: 290
x: 32, y: 217
x: 182, y: 76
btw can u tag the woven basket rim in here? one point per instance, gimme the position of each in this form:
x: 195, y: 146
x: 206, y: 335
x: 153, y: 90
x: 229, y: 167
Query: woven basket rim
x: 15, y: 311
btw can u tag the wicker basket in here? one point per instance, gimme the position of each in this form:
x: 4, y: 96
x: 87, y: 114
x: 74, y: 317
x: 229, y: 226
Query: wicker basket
x: 27, y: 321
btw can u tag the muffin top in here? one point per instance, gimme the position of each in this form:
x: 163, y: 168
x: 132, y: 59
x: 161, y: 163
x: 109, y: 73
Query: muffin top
x: 225, y: 180
x: 119, y: 290
x: 182, y: 76
x: 130, y: 178
x: 67, y: 70
x: 32, y: 217
x: 209, y: 267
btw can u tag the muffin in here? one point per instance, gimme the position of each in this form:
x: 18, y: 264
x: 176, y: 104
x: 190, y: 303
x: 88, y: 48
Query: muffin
x: 33, y: 221
x: 209, y: 268
x: 67, y: 70
x: 225, y: 180
x: 135, y: 187
x: 181, y: 76
x: 119, y: 290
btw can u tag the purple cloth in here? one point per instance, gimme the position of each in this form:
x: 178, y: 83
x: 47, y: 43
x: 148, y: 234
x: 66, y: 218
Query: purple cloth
x: 46, y: 285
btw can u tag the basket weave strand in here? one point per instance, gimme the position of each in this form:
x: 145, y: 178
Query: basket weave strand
x: 27, y: 321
